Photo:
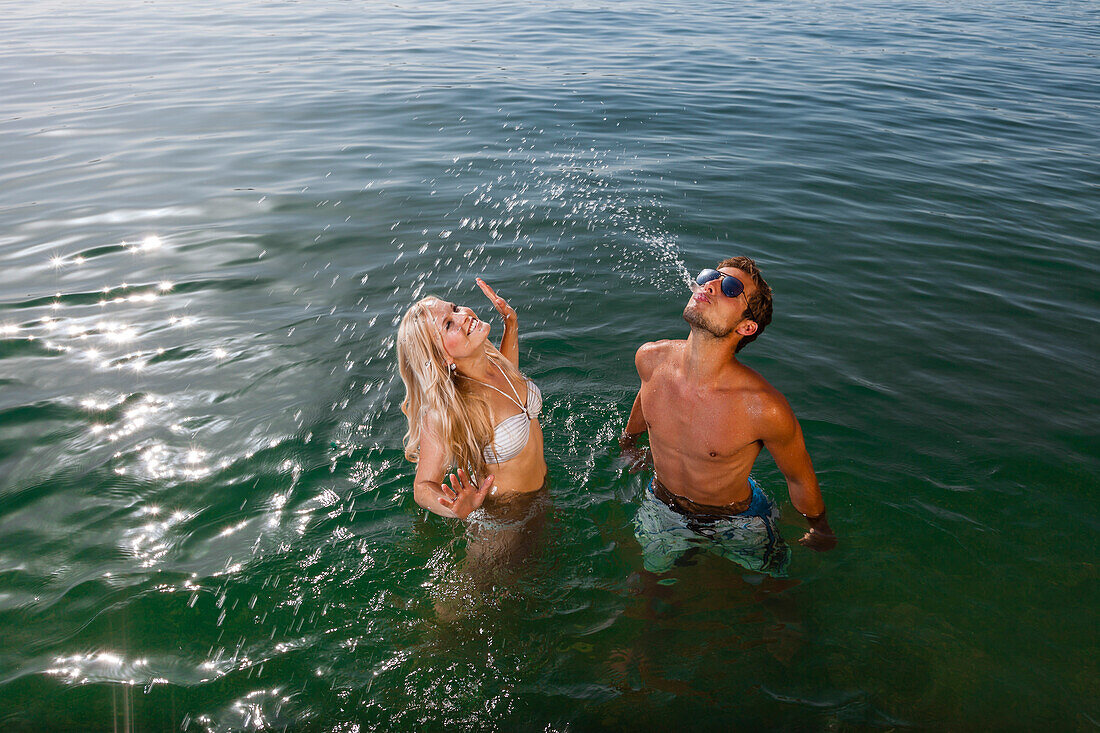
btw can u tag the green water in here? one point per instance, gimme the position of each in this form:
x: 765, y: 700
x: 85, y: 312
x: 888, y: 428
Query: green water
x: 212, y: 216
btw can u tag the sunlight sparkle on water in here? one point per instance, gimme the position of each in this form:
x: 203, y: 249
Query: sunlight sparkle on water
x: 82, y: 667
x: 118, y: 333
x: 91, y: 403
x: 233, y: 528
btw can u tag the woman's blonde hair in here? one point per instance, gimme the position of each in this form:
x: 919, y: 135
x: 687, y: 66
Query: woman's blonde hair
x: 436, y: 395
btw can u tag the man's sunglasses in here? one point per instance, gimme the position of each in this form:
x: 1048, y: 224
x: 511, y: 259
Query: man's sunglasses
x: 731, y: 286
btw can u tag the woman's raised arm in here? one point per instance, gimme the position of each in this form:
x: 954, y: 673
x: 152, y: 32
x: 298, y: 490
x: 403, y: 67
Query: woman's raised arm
x: 509, y: 342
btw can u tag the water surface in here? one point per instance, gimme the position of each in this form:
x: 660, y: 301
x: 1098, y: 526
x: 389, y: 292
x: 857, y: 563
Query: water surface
x: 211, y: 217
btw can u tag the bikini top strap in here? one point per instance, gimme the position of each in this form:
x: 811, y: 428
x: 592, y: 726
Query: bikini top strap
x: 518, y: 404
x: 511, y: 387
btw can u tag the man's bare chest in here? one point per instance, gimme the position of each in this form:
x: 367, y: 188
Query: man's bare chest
x: 717, y: 424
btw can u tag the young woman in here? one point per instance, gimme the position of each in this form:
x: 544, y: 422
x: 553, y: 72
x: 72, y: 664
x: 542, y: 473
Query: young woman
x: 469, y: 408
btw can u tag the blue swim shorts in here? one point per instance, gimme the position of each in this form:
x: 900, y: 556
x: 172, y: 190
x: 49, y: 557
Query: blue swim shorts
x: 749, y: 539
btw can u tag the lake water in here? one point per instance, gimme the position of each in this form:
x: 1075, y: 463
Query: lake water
x: 212, y: 215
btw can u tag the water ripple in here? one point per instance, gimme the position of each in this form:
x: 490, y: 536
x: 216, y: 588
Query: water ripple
x: 214, y: 216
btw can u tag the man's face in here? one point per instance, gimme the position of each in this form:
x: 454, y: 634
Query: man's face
x: 711, y: 311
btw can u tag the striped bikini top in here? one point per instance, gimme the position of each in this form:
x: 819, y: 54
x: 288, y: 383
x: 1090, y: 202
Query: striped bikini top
x: 510, y: 435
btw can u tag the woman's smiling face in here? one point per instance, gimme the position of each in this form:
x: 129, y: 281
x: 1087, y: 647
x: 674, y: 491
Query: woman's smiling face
x: 463, y: 333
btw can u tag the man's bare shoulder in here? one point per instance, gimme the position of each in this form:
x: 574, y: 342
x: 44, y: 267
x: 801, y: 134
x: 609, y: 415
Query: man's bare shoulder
x: 767, y: 404
x: 653, y: 354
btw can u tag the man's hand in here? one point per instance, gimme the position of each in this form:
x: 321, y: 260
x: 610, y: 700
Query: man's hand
x: 466, y: 496
x: 817, y: 541
x: 637, y: 458
x: 821, y: 536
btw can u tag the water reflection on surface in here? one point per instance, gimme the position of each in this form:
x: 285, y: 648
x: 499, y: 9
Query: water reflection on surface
x: 204, y: 506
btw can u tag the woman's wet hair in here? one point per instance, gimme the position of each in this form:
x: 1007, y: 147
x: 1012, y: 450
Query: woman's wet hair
x: 438, y: 399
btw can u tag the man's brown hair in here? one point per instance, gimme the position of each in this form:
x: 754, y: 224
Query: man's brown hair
x: 760, y: 304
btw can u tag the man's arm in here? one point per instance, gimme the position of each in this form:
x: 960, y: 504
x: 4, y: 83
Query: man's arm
x: 635, y: 424
x: 782, y: 436
x: 644, y: 361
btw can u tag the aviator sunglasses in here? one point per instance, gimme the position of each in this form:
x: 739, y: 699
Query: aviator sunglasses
x: 731, y: 286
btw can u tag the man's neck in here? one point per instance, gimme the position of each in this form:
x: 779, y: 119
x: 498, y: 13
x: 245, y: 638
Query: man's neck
x: 709, y: 356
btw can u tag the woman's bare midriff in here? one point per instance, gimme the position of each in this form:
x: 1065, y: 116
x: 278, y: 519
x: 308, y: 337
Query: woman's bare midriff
x: 524, y: 474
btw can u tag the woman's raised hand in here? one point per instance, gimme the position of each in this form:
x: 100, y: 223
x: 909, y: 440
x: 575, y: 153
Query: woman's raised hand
x: 466, y: 497
x: 498, y: 302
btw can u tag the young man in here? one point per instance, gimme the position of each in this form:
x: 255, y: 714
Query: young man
x: 708, y: 415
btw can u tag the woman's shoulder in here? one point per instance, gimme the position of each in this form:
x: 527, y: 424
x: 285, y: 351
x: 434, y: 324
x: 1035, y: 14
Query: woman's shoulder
x: 431, y: 420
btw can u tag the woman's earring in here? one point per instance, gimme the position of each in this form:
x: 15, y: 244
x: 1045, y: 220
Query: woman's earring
x: 452, y: 366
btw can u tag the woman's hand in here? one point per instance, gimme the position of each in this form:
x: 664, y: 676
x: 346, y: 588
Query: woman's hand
x: 465, y: 496
x: 509, y: 342
x: 509, y: 313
